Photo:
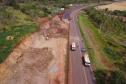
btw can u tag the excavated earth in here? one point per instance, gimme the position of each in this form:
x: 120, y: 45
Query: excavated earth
x: 40, y: 58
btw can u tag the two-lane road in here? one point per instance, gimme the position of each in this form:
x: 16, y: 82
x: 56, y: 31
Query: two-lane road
x: 78, y: 73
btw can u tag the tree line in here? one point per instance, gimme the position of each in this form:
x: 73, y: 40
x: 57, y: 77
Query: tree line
x: 113, y: 32
x: 106, y: 22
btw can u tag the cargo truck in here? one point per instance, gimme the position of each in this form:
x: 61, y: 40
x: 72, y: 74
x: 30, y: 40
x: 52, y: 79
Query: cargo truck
x: 86, y: 59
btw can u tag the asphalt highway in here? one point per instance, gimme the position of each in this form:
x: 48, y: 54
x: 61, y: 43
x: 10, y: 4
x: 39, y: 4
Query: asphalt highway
x: 78, y: 73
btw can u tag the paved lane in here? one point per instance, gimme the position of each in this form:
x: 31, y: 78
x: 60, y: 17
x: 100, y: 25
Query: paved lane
x: 78, y: 73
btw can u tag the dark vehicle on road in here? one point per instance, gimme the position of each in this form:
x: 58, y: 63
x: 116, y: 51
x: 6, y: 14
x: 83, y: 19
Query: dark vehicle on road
x: 83, y: 49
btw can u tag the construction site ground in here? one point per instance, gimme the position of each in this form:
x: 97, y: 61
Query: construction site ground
x: 40, y: 57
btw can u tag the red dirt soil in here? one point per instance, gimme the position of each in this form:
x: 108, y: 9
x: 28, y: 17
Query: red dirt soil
x: 40, y: 58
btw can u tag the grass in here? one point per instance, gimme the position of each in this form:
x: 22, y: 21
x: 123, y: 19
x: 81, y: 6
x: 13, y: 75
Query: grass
x: 18, y: 33
x: 35, y: 9
x: 15, y: 25
x: 17, y: 22
x: 94, y: 41
x: 90, y: 50
x: 103, y: 61
x: 13, y: 17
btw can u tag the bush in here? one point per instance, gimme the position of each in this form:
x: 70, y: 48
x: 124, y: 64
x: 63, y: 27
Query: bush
x: 112, y: 53
x: 109, y: 77
x: 119, y: 13
x: 106, y: 22
x: 32, y: 9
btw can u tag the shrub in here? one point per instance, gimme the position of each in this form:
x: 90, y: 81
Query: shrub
x: 109, y: 77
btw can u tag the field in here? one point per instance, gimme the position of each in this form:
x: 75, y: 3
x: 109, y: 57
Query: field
x: 114, y: 6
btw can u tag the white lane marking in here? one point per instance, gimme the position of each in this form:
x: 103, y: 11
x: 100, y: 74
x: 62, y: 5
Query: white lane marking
x: 72, y: 25
x: 77, y: 34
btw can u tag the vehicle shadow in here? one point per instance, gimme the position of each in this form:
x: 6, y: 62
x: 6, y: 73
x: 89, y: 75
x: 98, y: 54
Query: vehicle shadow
x: 82, y: 58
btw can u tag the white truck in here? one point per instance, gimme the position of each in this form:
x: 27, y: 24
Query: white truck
x: 86, y: 59
x: 73, y: 46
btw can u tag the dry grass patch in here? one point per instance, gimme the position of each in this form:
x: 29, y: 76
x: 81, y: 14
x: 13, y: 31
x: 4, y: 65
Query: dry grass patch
x: 114, y: 6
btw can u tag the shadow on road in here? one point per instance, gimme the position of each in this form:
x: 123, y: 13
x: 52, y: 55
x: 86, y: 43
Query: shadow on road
x: 82, y: 58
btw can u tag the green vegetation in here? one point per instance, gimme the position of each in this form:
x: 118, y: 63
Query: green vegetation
x: 14, y: 25
x: 11, y: 17
x: 109, y: 77
x: 104, y: 35
x: 35, y: 9
x: 113, y: 31
x: 118, y: 13
x: 10, y: 37
x: 17, y: 19
x: 93, y: 42
x: 105, y: 69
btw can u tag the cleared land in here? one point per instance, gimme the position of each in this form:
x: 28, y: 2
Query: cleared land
x: 40, y: 58
x: 114, y: 6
